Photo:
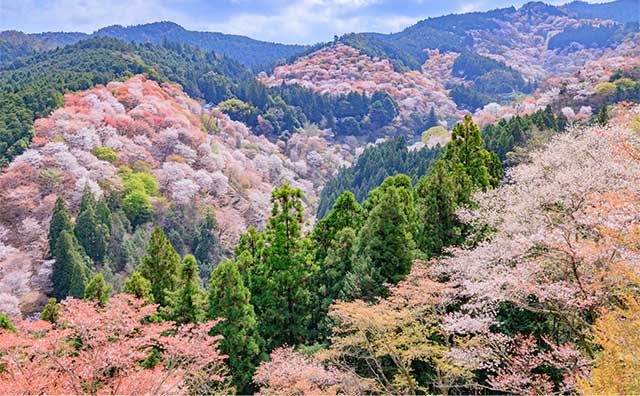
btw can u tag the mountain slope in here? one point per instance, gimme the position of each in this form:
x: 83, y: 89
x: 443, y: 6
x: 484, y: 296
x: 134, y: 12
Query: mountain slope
x: 195, y: 157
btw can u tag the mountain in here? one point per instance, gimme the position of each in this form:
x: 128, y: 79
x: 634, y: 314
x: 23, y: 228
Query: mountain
x: 189, y: 156
x: 249, y: 52
x: 621, y: 10
x: 33, y: 86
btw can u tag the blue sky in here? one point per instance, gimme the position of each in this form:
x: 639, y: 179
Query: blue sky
x: 287, y: 21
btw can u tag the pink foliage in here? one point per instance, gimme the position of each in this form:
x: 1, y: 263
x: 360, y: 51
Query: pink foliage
x: 99, y: 350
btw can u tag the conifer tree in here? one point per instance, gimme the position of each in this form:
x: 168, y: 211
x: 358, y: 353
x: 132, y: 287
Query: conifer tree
x: 603, y: 116
x: 282, y: 277
x: 438, y: 196
x: 230, y: 299
x: 60, y: 221
x: 51, y: 311
x: 467, y: 148
x: 160, y: 266
x: 103, y: 214
x: 98, y: 290
x: 91, y: 235
x: 70, y: 271
x: 386, y: 242
x: 207, y: 247
x: 88, y: 199
x: 188, y: 304
x: 138, y: 286
x: 346, y: 212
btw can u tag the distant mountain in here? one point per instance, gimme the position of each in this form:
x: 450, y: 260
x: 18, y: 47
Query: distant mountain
x: 249, y: 52
x: 621, y: 10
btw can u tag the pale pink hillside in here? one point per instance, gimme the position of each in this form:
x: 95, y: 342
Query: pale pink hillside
x: 576, y: 95
x: 522, y: 43
x: 148, y: 126
x: 340, y: 69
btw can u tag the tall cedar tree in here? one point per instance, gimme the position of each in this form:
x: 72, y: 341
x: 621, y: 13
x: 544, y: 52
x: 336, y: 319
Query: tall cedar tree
x: 91, y: 234
x: 70, y: 272
x: 188, y: 304
x: 438, y: 196
x: 207, y: 247
x: 346, y: 212
x: 160, y: 266
x: 467, y: 148
x: 281, y: 279
x: 230, y: 299
x: 98, y: 290
x: 60, y: 221
x: 385, y: 242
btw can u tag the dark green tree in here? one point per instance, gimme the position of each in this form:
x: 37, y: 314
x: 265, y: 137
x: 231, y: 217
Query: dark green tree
x: 438, y: 196
x: 346, y: 212
x: 385, y: 242
x: 70, y: 272
x: 188, y: 304
x: 98, y: 290
x: 282, y: 277
x: 160, y: 266
x: 207, y: 246
x: 230, y: 299
x: 91, y: 235
x: 60, y: 221
x: 103, y: 213
x: 603, y: 116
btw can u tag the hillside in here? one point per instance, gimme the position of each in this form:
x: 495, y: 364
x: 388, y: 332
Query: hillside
x: 194, y: 156
x: 249, y: 52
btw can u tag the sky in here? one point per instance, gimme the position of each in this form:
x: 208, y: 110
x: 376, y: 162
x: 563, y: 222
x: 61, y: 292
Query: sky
x: 285, y: 21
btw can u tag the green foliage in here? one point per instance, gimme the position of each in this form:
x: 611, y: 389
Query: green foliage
x: 5, y: 323
x: 91, y: 234
x: 70, y: 270
x: 468, y: 98
x: 188, y: 300
x: 587, y: 35
x: 138, y: 286
x: 346, y: 212
x: 602, y: 118
x: 60, y: 221
x: 138, y: 207
x: 51, y: 311
x: 208, y: 249
x: 385, y: 242
x: 98, y: 290
x: 105, y: 154
x: 160, y: 267
x: 504, y: 136
x: 239, y: 111
x: 281, y: 271
x: 373, y: 166
x: 230, y: 299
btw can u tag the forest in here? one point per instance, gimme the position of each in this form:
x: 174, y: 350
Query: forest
x: 448, y: 209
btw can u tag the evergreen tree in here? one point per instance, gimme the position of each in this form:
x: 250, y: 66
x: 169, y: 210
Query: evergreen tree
x: 385, y: 242
x: 160, y: 266
x: 187, y: 305
x: 51, y: 311
x: 281, y: 278
x: 91, y: 235
x: 603, y: 116
x: 103, y: 214
x: 88, y: 199
x: 346, y: 212
x: 138, y: 286
x: 207, y: 247
x: 60, y: 221
x: 467, y: 147
x: 230, y: 299
x: 70, y: 272
x: 438, y: 196
x: 98, y: 290
x: 432, y: 119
